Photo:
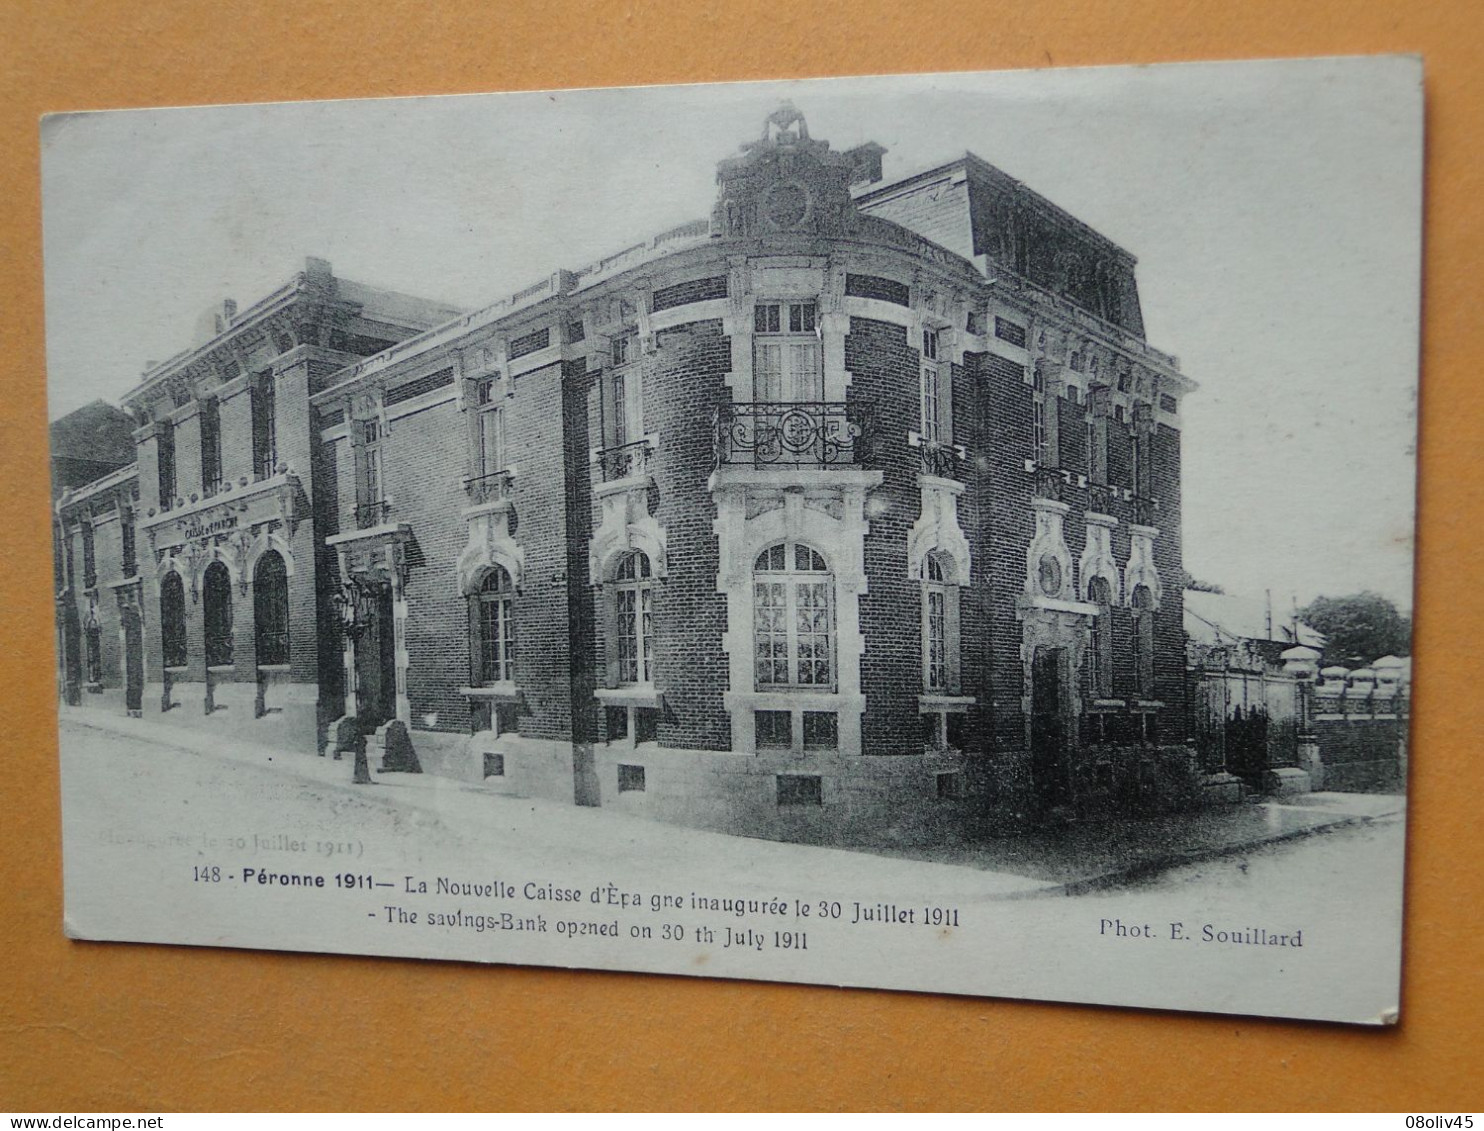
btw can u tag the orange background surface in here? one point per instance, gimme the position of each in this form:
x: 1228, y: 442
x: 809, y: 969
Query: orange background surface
x: 88, y: 1027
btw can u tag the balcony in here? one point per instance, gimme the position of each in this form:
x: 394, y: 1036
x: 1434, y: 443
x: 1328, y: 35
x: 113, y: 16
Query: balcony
x: 1145, y: 510
x: 813, y: 434
x: 1101, y: 497
x: 625, y: 460
x: 942, y: 460
x: 369, y: 515
x: 494, y: 487
x: 1048, y: 483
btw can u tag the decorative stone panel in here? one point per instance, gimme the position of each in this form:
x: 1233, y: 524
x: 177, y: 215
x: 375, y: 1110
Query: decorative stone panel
x: 937, y: 528
x: 1097, y: 556
x: 1141, y: 569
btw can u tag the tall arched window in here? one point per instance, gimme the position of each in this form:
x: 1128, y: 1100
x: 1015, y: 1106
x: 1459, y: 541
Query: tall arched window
x: 491, y: 616
x: 939, y: 625
x: 270, y: 598
x: 793, y: 618
x: 633, y: 598
x: 1143, y: 603
x: 1100, y: 640
x: 216, y: 599
x: 172, y: 620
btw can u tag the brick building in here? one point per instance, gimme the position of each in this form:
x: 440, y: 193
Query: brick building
x: 850, y: 512
x: 190, y: 573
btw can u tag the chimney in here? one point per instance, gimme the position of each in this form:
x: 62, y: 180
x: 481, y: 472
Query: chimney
x: 865, y: 163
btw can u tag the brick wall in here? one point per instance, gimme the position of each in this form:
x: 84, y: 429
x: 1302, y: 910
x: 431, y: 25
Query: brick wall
x: 425, y: 487
x: 1170, y: 685
x: 1003, y: 494
x: 689, y: 374
x: 884, y: 370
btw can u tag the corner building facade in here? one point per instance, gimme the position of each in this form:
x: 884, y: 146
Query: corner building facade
x: 794, y: 522
x: 851, y: 514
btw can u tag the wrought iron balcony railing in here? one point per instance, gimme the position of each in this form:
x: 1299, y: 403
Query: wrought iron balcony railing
x: 490, y: 488
x: 625, y: 460
x: 372, y: 514
x: 940, y: 459
x: 1048, y: 483
x: 1145, y: 510
x: 1102, y: 498
x: 791, y: 434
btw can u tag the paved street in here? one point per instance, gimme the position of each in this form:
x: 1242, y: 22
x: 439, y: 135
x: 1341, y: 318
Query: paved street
x: 141, y: 816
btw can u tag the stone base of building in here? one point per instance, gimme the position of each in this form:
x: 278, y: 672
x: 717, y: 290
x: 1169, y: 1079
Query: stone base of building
x: 1222, y: 789
x: 808, y: 799
x: 504, y: 763
x: 1380, y: 776
x: 284, y: 716
x: 1286, y: 782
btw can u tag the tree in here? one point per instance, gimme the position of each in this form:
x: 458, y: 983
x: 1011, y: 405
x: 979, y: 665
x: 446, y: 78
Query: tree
x: 1360, y: 628
x: 1198, y: 585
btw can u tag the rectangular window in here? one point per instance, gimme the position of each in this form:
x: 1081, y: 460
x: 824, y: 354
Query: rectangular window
x: 370, y: 486
x: 950, y: 785
x: 126, y: 533
x: 1168, y: 403
x: 630, y: 778
x: 774, y: 729
x: 935, y: 662
x: 624, y: 349
x: 800, y: 789
x: 635, y: 633
x: 1008, y: 331
x: 89, y: 557
x: 264, y: 428
x: 494, y: 765
x: 496, y: 651
x: 786, y: 357
x: 165, y: 464
x: 934, y: 414
x: 821, y: 730
x: 491, y: 441
x: 530, y: 343
x: 1038, y: 431
x: 211, y: 447
x: 930, y: 345
x: 877, y: 287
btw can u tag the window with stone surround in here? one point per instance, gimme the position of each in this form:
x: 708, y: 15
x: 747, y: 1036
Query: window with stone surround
x: 89, y: 556
x: 939, y: 625
x: 371, y: 503
x: 130, y: 563
x: 165, y: 463
x: 264, y: 427
x: 172, y: 620
x: 786, y: 360
x: 491, y: 439
x: 1100, y: 640
x: 211, y: 447
x: 793, y: 619
x: 491, y: 625
x: 1143, y: 640
x: 216, y: 601
x: 633, y: 606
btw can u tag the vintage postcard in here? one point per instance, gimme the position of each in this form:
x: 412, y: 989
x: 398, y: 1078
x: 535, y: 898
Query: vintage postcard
x: 945, y: 533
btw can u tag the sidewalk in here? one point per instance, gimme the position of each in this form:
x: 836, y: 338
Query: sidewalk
x: 1065, y: 861
x: 1085, y: 857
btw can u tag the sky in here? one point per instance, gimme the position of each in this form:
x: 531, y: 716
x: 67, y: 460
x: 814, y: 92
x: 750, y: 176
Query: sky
x: 1274, y: 207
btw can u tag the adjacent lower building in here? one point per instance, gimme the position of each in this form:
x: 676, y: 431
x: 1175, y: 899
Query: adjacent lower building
x: 849, y: 513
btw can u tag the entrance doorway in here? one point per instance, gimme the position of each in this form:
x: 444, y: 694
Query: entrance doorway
x: 376, y: 665
x: 1048, y: 729
x: 133, y: 665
